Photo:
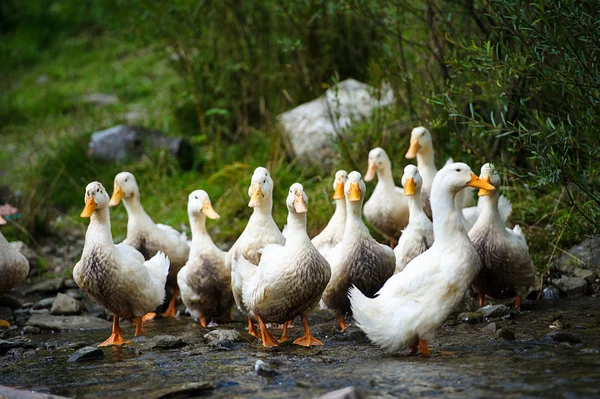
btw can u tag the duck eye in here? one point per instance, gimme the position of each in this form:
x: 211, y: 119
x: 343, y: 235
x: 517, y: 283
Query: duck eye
x: 195, y: 197
x: 458, y: 170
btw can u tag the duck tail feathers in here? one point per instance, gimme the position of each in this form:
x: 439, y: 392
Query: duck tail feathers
x: 158, y: 268
x: 504, y: 207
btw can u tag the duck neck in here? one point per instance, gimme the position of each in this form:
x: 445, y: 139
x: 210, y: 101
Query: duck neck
x: 385, y: 178
x: 489, y: 212
x: 135, y: 210
x: 426, y: 164
x: 296, y: 225
x: 340, y: 210
x: 99, y: 229
x: 264, y: 210
x: 353, y: 218
x: 446, y: 218
x: 198, y: 225
x: 415, y: 206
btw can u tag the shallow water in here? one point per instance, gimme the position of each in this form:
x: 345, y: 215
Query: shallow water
x: 466, y: 361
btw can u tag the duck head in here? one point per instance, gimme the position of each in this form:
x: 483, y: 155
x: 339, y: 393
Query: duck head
x: 456, y: 176
x: 378, y: 161
x: 411, y: 180
x: 420, y: 138
x: 261, y: 187
x: 341, y: 177
x: 488, y: 174
x: 199, y: 204
x: 355, y: 187
x: 297, y: 200
x: 125, y: 186
x: 95, y: 197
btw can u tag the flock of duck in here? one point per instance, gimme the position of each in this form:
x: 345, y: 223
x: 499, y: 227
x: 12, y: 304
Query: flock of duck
x: 399, y: 297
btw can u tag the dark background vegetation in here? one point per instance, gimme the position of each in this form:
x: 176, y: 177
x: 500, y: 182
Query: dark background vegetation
x: 512, y: 82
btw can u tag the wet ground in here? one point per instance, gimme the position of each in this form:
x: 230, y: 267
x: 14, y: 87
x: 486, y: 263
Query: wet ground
x: 467, y: 361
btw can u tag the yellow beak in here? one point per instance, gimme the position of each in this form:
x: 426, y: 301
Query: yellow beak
x: 413, y: 149
x: 354, y: 192
x: 2, y: 221
x: 339, y: 191
x: 409, y: 186
x: 209, y: 211
x: 299, y: 203
x: 90, y: 207
x: 256, y: 197
x: 116, y: 197
x: 371, y: 171
x: 480, y: 183
x: 482, y: 191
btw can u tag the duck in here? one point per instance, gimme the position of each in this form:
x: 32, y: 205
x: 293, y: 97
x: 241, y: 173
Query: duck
x: 507, y: 269
x: 417, y: 237
x: 289, y: 279
x: 421, y: 147
x: 149, y: 237
x: 14, y: 267
x: 205, y: 280
x: 412, y: 305
x: 260, y: 231
x: 387, y: 208
x: 332, y: 234
x: 358, y: 259
x: 117, y: 276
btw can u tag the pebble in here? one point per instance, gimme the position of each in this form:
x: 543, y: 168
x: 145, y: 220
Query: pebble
x: 263, y: 369
x: 506, y: 334
x: 550, y: 293
x: 86, y: 353
x: 165, y: 342
x: 491, y: 311
x: 559, y: 336
x: 15, y: 354
x: 187, y: 390
x: 222, y: 338
x: 74, y: 293
x: 47, y: 286
x: 30, y: 354
x: 31, y: 330
x: 65, y: 305
x: 470, y: 317
x: 344, y: 393
x: 492, y: 327
x: 50, y: 322
x: 44, y: 303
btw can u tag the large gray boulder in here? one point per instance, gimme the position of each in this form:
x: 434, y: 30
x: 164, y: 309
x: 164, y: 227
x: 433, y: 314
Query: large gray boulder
x: 583, y: 256
x: 311, y: 128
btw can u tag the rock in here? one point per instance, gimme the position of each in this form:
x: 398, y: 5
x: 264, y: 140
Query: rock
x: 74, y: 293
x: 31, y: 330
x: 491, y: 311
x: 7, y: 345
x: 44, y: 303
x: 188, y: 390
x: 27, y: 252
x: 29, y: 354
x: 15, y: 354
x: 492, y: 327
x: 121, y: 142
x: 562, y: 337
x: 222, y: 338
x: 344, y: 393
x: 70, y: 283
x: 100, y: 99
x: 9, y: 301
x: 585, y: 274
x: 585, y: 256
x: 86, y: 353
x: 6, y: 392
x: 263, y: 369
x: 65, y: 305
x: 165, y: 342
x: 470, y: 317
x: 550, y: 293
x: 47, y: 286
x: 571, y: 286
x: 312, y: 128
x: 506, y: 334
x: 65, y: 323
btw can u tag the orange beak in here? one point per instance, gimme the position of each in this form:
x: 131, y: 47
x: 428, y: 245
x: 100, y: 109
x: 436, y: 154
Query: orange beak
x: 299, y: 203
x: 413, y: 149
x: 90, y: 207
x: 481, y: 184
x: 409, y: 186
x: 117, y: 196
x: 2, y: 221
x: 371, y: 171
x: 256, y: 197
x: 354, y: 192
x: 209, y: 211
x: 482, y: 191
x: 339, y: 191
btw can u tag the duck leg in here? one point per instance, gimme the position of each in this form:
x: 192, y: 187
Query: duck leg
x: 518, y: 302
x: 341, y: 322
x: 284, y: 335
x: 115, y: 338
x: 203, y: 322
x: 149, y: 316
x: 172, y: 310
x: 481, y: 296
x: 267, y: 338
x: 252, y: 328
x: 307, y: 339
x: 423, y: 347
x: 138, y: 326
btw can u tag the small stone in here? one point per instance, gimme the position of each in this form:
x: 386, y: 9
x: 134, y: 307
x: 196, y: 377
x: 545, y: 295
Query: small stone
x: 65, y: 323
x: 572, y: 286
x: 15, y: 354
x: 263, y: 369
x: 70, y: 283
x: 74, y: 293
x: 29, y: 354
x: 550, y: 293
x: 557, y: 325
x: 7, y: 345
x: 562, y: 337
x: 47, y: 286
x: 470, y: 317
x: 222, y: 338
x: 506, y: 334
x: 10, y: 301
x: 86, y: 353
x: 31, y: 330
x: 491, y: 311
x: 344, y: 393
x: 492, y: 327
x: 65, y: 305
x: 44, y: 303
x: 165, y: 342
x: 187, y: 390
x: 585, y: 274
x: 27, y: 252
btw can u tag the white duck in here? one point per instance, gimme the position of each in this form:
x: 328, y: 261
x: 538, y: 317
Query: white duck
x: 387, y: 208
x: 149, y: 238
x: 14, y: 268
x: 333, y: 233
x: 289, y: 279
x: 116, y: 276
x: 358, y: 259
x: 205, y: 280
x: 506, y: 266
x: 421, y: 147
x: 260, y: 231
x: 413, y: 304
x: 417, y: 237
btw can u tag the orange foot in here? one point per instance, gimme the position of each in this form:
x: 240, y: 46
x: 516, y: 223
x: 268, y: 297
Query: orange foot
x: 252, y: 329
x: 307, y: 339
x: 115, y: 338
x: 341, y: 322
x: 267, y: 338
x: 172, y: 310
x: 284, y: 335
x: 423, y: 347
x: 138, y: 326
x: 203, y: 322
x: 149, y: 316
